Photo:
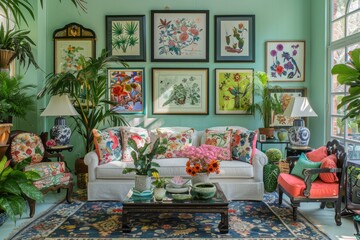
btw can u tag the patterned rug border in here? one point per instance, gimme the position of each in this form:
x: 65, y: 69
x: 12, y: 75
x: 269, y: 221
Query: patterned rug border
x: 80, y: 204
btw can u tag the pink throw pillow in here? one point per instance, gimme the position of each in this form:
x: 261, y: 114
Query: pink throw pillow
x: 329, y: 162
x: 317, y: 155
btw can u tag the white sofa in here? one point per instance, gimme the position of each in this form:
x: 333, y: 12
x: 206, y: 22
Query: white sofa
x: 239, y: 180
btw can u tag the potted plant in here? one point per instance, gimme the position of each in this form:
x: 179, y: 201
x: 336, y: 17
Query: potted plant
x: 144, y: 167
x: 16, y: 186
x: 349, y: 75
x: 271, y: 170
x: 15, y: 101
x: 87, y: 88
x: 159, y: 183
x: 267, y: 104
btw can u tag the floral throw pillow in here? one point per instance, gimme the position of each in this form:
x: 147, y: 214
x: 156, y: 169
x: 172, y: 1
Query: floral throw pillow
x: 25, y: 145
x: 139, y: 135
x: 243, y: 145
x: 220, y: 139
x: 107, y: 145
x: 175, y: 142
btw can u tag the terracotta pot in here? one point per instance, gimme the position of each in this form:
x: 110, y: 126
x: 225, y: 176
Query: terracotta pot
x: 269, y: 132
x: 4, y: 133
x: 5, y: 56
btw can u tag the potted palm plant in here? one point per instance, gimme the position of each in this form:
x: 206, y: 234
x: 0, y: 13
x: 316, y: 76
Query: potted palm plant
x: 16, y: 186
x: 144, y: 167
x: 87, y: 88
x: 267, y: 104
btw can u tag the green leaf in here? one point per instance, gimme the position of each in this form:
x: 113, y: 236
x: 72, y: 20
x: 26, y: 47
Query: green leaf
x: 32, y: 175
x: 355, y: 56
x: 155, y: 164
x: 31, y: 191
x: 132, y: 144
x: 161, y: 150
x: 344, y: 69
x: 21, y: 165
x: 347, y: 78
x: 2, y: 163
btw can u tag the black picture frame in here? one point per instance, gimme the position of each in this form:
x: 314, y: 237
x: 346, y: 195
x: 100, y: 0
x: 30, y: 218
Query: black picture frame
x: 228, y: 30
x: 119, y: 43
x: 189, y: 30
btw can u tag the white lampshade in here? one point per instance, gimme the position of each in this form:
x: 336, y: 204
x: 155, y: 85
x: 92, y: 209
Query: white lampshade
x: 59, y: 105
x: 299, y: 107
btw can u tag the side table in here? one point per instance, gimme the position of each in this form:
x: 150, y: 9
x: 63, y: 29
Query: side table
x: 271, y: 141
x: 297, y: 151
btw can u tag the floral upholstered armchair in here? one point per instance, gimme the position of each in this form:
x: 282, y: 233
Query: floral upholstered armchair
x: 54, y: 175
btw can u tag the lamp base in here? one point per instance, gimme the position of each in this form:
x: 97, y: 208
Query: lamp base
x: 60, y: 132
x: 299, y: 136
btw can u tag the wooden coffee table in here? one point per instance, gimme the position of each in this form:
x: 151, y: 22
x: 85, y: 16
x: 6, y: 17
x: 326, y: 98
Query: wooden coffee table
x: 218, y: 204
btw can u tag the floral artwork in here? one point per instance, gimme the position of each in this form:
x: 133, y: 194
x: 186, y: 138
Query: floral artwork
x: 180, y: 35
x: 125, y: 37
x: 180, y: 91
x: 235, y: 38
x: 68, y: 52
x: 285, y: 61
x: 126, y: 88
x: 234, y: 91
x: 284, y: 96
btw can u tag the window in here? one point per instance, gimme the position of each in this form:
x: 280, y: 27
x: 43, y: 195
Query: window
x: 4, y: 20
x: 344, y: 37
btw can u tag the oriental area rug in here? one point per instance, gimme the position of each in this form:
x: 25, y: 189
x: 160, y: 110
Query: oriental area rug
x: 102, y: 220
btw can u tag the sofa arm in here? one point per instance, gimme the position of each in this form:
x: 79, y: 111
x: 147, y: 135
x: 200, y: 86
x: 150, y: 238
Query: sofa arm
x: 259, y: 161
x: 92, y: 161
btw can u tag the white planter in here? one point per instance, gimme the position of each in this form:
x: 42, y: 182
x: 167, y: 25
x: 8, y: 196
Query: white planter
x: 200, y: 177
x: 159, y: 193
x: 142, y: 183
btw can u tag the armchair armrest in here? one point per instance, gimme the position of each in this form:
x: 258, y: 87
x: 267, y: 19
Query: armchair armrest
x: 259, y: 161
x: 308, y: 172
x: 92, y: 161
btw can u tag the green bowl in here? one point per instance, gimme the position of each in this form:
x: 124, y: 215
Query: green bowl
x: 203, y: 190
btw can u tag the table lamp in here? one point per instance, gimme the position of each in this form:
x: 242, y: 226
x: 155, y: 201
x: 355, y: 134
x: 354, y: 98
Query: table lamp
x: 60, y: 106
x: 299, y: 134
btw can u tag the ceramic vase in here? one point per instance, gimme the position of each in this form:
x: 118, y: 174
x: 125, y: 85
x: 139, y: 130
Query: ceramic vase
x: 203, y: 190
x: 200, y: 177
x: 159, y: 193
x: 142, y: 183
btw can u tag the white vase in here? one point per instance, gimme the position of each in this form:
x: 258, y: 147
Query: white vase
x: 159, y: 193
x: 142, y: 183
x: 200, y: 177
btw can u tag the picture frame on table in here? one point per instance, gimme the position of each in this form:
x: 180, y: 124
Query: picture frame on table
x: 180, y: 91
x: 285, y: 61
x: 125, y: 37
x: 235, y: 38
x: 284, y: 95
x: 234, y: 90
x: 71, y: 42
x: 180, y: 35
x: 126, y: 87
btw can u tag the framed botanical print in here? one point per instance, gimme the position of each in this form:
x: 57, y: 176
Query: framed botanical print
x: 235, y: 38
x: 125, y: 37
x: 126, y: 87
x: 284, y: 95
x: 285, y: 61
x: 180, y: 36
x: 71, y: 42
x: 180, y: 91
x: 234, y: 91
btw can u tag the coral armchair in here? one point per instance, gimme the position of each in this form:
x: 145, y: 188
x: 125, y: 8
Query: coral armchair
x: 307, y: 190
x: 54, y: 175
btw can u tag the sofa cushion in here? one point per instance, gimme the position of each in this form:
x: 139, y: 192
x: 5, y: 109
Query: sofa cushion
x: 171, y: 167
x: 45, y: 169
x: 175, y: 141
x: 303, y: 163
x: 295, y: 186
x: 25, y: 145
x: 329, y: 162
x: 107, y: 144
x: 317, y: 155
x: 139, y: 135
x: 243, y: 145
x: 220, y: 128
x: 220, y: 139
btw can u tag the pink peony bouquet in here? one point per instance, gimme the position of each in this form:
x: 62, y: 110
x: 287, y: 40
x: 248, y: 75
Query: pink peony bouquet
x: 201, y: 159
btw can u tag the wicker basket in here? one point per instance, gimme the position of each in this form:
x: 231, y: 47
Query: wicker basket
x: 284, y: 166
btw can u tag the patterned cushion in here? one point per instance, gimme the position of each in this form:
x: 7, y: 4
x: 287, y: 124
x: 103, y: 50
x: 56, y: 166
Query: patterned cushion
x: 329, y: 162
x: 139, y: 135
x: 303, y: 163
x: 175, y: 141
x: 220, y: 139
x: 25, y: 145
x: 107, y: 145
x: 62, y: 178
x: 46, y: 169
x: 243, y: 145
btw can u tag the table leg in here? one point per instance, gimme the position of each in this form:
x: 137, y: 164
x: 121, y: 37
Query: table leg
x: 126, y: 228
x: 224, y: 223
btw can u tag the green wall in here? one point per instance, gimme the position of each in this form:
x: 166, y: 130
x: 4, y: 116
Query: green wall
x: 274, y: 20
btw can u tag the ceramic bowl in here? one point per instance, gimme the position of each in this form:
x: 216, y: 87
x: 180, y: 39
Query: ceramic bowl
x: 178, y: 182
x: 203, y: 190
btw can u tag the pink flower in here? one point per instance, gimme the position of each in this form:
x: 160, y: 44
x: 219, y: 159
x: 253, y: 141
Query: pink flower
x: 50, y: 143
x: 194, y: 31
x: 183, y: 28
x: 184, y: 36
